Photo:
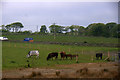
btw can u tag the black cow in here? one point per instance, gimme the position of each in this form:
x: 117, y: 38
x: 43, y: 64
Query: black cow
x: 53, y: 54
x: 119, y: 55
x: 99, y: 55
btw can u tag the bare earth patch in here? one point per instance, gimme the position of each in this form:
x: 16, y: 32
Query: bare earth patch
x: 81, y: 70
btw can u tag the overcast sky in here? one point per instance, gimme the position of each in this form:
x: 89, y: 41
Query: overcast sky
x: 31, y: 14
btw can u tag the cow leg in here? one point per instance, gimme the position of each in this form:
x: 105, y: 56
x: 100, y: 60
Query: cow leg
x: 66, y: 57
x: 101, y: 57
x: 56, y: 57
x: 71, y: 57
x: 97, y: 58
x: 37, y: 56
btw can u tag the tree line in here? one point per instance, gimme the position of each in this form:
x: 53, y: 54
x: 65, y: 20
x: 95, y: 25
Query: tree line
x: 111, y: 29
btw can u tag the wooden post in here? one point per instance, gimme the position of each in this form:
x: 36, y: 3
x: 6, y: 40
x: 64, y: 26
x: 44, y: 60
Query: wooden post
x: 69, y: 49
x: 92, y: 58
x: 108, y: 58
x: 21, y: 46
x: 29, y: 46
x: 108, y: 54
x: 82, y: 51
x: 115, y: 57
x: 9, y: 44
x: 15, y: 45
x: 38, y: 46
x: 76, y: 59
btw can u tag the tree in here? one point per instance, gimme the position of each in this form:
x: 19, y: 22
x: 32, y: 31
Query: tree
x: 43, y: 29
x: 66, y: 29
x: 115, y: 31
x: 8, y: 27
x: 3, y: 29
x: 71, y: 28
x: 16, y: 26
x: 109, y: 27
x: 81, y: 30
x: 74, y: 29
x: 56, y: 29
x: 96, y: 29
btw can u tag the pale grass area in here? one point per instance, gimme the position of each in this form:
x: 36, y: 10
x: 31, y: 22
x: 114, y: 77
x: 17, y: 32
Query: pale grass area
x: 81, y: 70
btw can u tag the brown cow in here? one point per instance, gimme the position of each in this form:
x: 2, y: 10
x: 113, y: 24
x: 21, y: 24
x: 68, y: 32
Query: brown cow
x: 63, y: 55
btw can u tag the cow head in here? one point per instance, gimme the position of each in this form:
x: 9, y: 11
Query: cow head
x: 47, y: 58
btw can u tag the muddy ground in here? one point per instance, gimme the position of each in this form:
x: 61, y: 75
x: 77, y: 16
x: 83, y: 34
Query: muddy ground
x: 81, y: 70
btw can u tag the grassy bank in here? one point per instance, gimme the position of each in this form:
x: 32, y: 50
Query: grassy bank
x: 65, y: 38
x: 14, y: 54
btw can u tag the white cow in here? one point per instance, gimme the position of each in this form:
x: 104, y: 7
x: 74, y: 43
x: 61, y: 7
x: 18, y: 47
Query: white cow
x: 32, y: 53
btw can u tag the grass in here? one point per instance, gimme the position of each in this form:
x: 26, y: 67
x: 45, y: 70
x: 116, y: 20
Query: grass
x: 65, y: 38
x: 14, y: 54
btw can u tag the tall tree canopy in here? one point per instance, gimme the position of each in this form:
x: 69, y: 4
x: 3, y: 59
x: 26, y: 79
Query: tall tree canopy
x: 97, y: 29
x: 109, y: 28
x: 16, y: 26
x: 56, y: 29
x: 43, y: 29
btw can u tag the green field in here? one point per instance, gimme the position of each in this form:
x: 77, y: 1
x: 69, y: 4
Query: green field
x: 14, y: 54
x: 64, y: 38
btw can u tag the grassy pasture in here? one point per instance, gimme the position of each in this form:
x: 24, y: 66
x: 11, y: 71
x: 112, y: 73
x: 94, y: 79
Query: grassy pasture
x: 64, y: 38
x: 14, y: 54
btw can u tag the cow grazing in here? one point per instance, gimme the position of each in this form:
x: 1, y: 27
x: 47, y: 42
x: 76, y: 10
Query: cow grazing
x: 63, y: 55
x: 51, y: 55
x: 99, y: 55
x: 68, y: 55
x: 119, y: 55
x: 33, y: 53
x: 74, y: 56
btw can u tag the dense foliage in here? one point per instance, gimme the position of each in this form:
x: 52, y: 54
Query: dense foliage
x: 95, y: 29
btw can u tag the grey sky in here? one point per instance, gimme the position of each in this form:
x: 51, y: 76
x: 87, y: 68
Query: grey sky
x: 31, y: 14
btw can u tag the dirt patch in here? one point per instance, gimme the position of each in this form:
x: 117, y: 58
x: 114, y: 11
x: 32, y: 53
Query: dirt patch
x: 81, y: 70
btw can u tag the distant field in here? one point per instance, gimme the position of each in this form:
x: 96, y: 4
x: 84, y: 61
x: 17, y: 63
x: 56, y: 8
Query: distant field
x: 14, y: 53
x: 65, y: 38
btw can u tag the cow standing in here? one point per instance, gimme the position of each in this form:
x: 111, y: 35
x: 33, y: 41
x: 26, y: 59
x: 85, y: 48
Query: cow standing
x: 63, y: 55
x: 99, y: 55
x: 51, y: 55
x: 33, y: 53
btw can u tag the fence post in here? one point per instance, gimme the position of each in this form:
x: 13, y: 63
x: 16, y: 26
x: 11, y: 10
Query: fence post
x: 108, y: 54
x: 115, y: 57
x: 15, y: 45
x: 69, y: 50
x: 29, y: 46
x: 76, y: 59
x: 9, y: 44
x: 92, y: 58
x: 82, y: 51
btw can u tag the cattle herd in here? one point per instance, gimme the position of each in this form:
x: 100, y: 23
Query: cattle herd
x: 62, y: 54
x: 52, y: 55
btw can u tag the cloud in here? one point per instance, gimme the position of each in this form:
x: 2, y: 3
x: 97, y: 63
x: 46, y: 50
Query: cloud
x: 63, y: 13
